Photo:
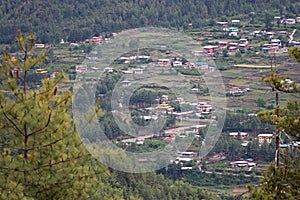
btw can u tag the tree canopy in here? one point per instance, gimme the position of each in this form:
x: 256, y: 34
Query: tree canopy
x: 77, y: 20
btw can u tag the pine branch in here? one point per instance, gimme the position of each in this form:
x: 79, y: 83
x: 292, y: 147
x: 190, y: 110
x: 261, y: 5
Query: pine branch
x: 59, y: 162
x: 41, y: 129
x: 10, y: 169
x: 16, y: 127
x: 46, y: 145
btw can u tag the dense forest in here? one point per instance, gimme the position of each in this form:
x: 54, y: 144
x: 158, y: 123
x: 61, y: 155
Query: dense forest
x: 77, y: 20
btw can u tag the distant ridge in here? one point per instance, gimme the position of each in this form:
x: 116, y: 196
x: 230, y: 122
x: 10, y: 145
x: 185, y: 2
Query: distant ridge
x: 78, y: 19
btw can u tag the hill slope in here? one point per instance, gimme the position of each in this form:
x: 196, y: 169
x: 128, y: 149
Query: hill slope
x: 78, y: 19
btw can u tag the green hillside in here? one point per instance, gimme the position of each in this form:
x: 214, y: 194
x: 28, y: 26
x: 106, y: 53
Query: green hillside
x: 78, y: 19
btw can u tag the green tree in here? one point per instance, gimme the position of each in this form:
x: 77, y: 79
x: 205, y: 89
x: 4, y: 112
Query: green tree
x: 261, y: 102
x: 281, y: 181
x: 225, y: 53
x: 268, y: 21
x: 238, y: 54
x: 41, y: 155
x: 286, y: 118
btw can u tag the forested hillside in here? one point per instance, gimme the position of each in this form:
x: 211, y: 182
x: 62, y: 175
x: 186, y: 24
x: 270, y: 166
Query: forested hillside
x: 77, y: 19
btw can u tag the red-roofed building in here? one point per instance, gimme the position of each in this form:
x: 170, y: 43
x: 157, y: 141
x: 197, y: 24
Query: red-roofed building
x: 210, y: 49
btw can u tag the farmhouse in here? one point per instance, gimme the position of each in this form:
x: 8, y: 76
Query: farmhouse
x: 295, y: 44
x: 164, y: 97
x: 233, y: 33
x: 233, y: 49
x: 242, y: 163
x: 187, y: 154
x: 127, y: 72
x: 138, y: 71
x: 96, y: 40
x: 204, y: 108
x: 186, y: 168
x: 236, y: 91
x: 276, y: 42
x: 267, y: 50
x: 235, y: 21
x: 126, y: 83
x: 143, y: 57
x: 290, y: 21
x: 237, y: 134
x: 265, y: 137
x: 222, y: 23
x: 39, y: 46
x: 243, y: 41
x: 223, y: 45
x: 108, y: 69
x: 180, y: 159
x: 277, y: 18
x: 233, y: 29
x: 210, y: 49
x: 177, y: 63
x: 169, y: 139
x: 80, y: 69
x: 243, y: 46
x: 164, y: 62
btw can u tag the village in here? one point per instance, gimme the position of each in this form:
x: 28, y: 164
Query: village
x: 233, y: 40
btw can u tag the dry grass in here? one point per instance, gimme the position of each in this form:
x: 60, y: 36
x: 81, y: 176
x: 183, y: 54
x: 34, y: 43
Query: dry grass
x: 253, y: 66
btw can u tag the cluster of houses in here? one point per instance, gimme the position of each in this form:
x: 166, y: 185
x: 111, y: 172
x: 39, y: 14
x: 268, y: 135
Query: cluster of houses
x: 231, y: 46
x: 233, y: 30
x: 95, y: 40
x: 273, y: 46
x: 169, y: 135
x: 264, y: 137
x: 287, y: 20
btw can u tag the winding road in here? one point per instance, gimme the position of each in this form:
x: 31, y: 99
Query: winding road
x: 292, y: 36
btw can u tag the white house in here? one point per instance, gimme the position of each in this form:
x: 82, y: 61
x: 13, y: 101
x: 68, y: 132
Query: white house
x: 243, y: 41
x: 276, y: 42
x: 177, y: 63
x: 236, y: 134
x: 180, y: 159
x: 265, y: 137
x: 233, y: 33
x: 80, y: 69
x: 235, y: 21
x: 164, y: 62
x: 126, y: 83
x: 108, y: 69
x: 290, y: 21
x: 222, y: 23
x: 138, y: 71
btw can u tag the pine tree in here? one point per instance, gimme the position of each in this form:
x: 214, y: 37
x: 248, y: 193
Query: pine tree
x: 286, y: 118
x: 281, y: 181
x: 41, y: 155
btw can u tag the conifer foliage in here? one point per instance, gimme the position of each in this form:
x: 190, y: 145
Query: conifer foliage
x: 281, y: 181
x: 41, y: 156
